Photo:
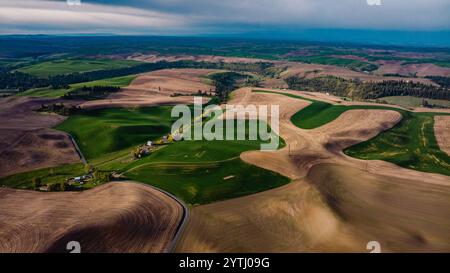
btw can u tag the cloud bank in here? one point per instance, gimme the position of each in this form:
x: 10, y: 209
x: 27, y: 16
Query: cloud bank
x: 56, y: 16
x: 211, y: 16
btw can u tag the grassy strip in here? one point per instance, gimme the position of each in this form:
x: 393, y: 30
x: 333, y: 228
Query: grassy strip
x: 48, y: 176
x: 56, y: 93
x: 409, y: 101
x: 67, y: 66
x: 342, y: 62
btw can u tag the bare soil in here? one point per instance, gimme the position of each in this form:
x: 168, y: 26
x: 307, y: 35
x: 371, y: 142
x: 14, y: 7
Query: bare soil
x: 335, y: 203
x: 421, y: 70
x: 153, y: 58
x: 37, y: 149
x: 158, y: 88
x: 115, y: 217
x: 442, y: 132
x: 317, y: 70
x: 26, y: 142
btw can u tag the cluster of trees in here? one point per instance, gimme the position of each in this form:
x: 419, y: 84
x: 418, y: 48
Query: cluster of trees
x: 97, y: 176
x: 36, y: 183
x: 59, y: 108
x: 427, y: 104
x: 199, y: 93
x: 91, y: 92
x: 225, y: 83
x: 274, y: 72
x: 253, y: 81
x: 21, y: 81
x: 402, y: 88
x: 442, y: 81
x: 364, y: 67
x: 61, y: 186
x: 367, y: 90
x: 410, y: 75
x: 334, y: 85
x: 102, y: 176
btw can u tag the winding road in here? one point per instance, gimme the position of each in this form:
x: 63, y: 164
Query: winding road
x: 171, y: 246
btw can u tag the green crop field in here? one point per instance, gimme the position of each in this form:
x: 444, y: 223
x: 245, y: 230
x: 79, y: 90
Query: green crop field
x: 56, y: 93
x: 67, y: 66
x: 197, y: 171
x: 103, y: 131
x: 204, y: 171
x: 328, y: 60
x: 410, y: 144
x: 319, y: 113
x: 44, y: 92
x: 205, y: 182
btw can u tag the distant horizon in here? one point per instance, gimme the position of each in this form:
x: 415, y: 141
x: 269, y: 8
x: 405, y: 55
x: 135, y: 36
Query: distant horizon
x: 434, y: 39
x: 396, y: 22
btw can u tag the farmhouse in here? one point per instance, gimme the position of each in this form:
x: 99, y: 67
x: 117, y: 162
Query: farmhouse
x: 79, y: 179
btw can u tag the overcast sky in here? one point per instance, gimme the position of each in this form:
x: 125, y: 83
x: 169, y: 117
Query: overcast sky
x: 218, y: 16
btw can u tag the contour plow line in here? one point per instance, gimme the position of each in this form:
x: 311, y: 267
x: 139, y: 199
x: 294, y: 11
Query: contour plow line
x: 335, y: 202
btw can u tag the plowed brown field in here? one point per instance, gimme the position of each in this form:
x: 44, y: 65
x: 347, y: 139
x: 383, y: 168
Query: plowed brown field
x: 335, y: 203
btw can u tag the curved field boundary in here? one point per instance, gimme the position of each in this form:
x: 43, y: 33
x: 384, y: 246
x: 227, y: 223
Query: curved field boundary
x: 77, y: 148
x: 193, y: 171
x: 410, y: 144
x: 319, y: 113
x: 303, y: 217
x: 183, y: 222
x: 115, y: 217
x: 442, y: 131
x: 397, y: 145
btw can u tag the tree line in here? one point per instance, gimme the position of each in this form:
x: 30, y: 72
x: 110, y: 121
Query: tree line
x: 442, y: 81
x: 59, y: 108
x: 225, y: 83
x: 21, y: 81
x: 91, y: 92
x: 367, y: 90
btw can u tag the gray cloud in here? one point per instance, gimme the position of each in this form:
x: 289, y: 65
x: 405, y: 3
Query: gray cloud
x: 197, y: 16
x: 47, y: 16
x: 393, y: 14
